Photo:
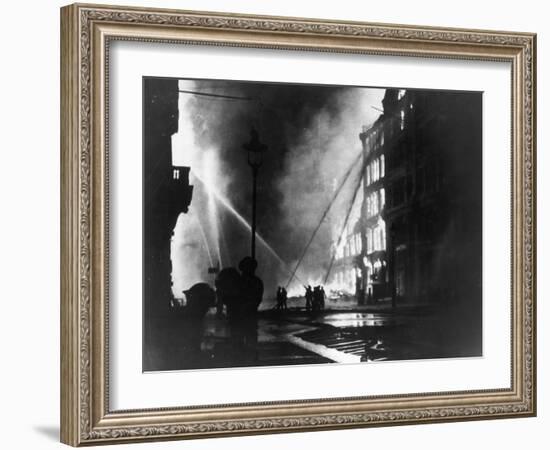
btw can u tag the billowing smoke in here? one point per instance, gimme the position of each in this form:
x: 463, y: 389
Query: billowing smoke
x: 312, y: 137
x: 325, y: 157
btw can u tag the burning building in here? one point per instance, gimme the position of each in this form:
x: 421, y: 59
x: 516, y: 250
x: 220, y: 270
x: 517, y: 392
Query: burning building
x: 416, y: 224
x: 360, y: 250
x: 347, y: 249
x: 373, y: 227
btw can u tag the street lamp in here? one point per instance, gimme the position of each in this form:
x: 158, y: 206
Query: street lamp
x: 255, y: 151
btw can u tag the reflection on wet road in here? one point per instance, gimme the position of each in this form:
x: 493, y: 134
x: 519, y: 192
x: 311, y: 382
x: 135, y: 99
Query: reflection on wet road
x: 300, y: 337
x: 357, y: 320
x: 360, y: 336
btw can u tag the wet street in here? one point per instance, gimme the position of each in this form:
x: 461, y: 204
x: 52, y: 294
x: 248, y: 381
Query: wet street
x: 334, y: 336
x: 342, y: 333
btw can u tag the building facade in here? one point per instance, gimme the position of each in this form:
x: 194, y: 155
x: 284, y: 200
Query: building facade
x: 373, y: 226
x: 417, y: 237
x: 347, y: 275
x: 433, y: 156
x: 166, y: 194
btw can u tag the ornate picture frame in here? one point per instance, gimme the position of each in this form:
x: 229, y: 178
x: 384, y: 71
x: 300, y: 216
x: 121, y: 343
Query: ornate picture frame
x: 87, y: 31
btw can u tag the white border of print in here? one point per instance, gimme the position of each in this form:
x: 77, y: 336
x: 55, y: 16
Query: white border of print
x: 132, y: 389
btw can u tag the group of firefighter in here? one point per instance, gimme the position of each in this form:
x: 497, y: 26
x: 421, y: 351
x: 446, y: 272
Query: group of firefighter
x: 315, y: 298
x: 239, y: 293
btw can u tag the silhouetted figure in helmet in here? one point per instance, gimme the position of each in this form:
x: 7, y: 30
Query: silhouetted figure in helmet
x: 318, y: 299
x: 315, y: 299
x: 309, y: 298
x: 228, y: 290
x: 322, y: 297
x: 252, y: 286
x: 252, y: 290
x: 200, y: 298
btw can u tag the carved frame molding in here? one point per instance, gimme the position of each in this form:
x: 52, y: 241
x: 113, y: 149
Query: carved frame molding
x: 86, y: 32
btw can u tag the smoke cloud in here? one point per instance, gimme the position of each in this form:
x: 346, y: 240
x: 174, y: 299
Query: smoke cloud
x: 312, y: 137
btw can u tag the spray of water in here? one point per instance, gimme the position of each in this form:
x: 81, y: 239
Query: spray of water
x: 318, y: 160
x: 316, y: 142
x: 205, y: 242
x: 210, y: 202
x: 211, y: 189
x: 210, y: 164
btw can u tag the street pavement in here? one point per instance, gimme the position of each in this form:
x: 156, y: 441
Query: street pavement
x: 347, y: 335
x: 342, y: 333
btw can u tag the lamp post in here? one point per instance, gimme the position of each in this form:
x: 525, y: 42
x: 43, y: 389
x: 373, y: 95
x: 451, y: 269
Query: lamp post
x: 255, y: 151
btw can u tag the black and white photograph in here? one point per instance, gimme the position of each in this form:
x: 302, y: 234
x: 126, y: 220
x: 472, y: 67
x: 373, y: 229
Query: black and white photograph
x: 295, y: 224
